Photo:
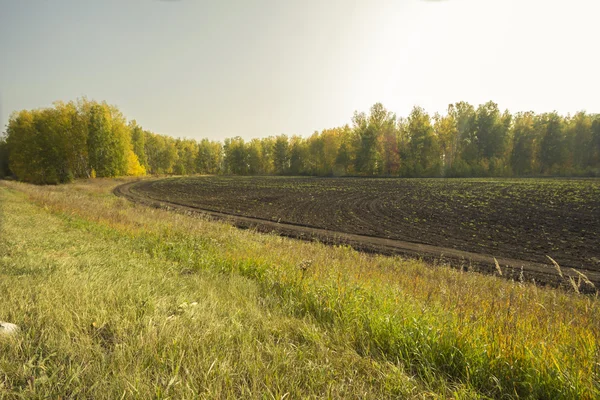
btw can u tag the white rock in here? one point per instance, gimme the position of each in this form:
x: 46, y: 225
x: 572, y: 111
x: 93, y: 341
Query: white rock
x: 6, y: 328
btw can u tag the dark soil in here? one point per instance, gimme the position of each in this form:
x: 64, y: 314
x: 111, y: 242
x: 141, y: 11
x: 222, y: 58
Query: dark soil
x: 517, y: 219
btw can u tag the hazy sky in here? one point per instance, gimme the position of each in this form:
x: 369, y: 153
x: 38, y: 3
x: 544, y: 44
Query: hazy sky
x: 219, y: 69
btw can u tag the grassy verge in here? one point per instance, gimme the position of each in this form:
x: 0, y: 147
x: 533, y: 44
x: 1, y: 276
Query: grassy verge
x: 102, y: 319
x: 105, y: 290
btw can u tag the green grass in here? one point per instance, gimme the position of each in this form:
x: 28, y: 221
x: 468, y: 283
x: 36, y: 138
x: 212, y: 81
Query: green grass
x: 118, y: 300
x: 102, y: 319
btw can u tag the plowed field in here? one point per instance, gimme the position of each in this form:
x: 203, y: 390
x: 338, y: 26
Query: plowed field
x: 523, y: 219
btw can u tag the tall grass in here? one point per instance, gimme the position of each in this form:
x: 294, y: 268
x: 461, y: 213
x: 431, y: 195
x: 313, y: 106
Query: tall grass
x: 458, y: 334
x: 101, y: 319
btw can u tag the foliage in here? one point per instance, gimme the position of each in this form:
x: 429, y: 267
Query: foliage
x: 422, y: 155
x: 281, y: 156
x: 73, y: 139
x: 4, y: 155
x: 138, y: 143
x: 134, y: 168
x: 210, y: 157
x: 108, y: 141
x: 69, y: 141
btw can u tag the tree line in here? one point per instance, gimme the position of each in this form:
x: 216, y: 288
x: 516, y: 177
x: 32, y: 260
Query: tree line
x: 83, y: 138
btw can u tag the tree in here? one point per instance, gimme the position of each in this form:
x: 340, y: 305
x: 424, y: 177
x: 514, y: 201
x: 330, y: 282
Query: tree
x: 371, y: 132
x: 424, y: 154
x: 579, y: 131
x: 134, y: 168
x: 236, y: 161
x: 4, y: 156
x: 65, y: 130
x: 22, y: 142
x: 281, y: 156
x: 314, y: 162
x: 331, y: 139
x: 344, y: 155
x: 343, y: 159
x: 465, y: 141
x: 489, y: 130
x: 596, y: 144
x: 161, y: 153
x: 267, y: 146
x: 153, y: 146
x: 48, y: 145
x: 254, y: 157
x: 524, y: 156
x: 387, y: 148
x: 210, y: 157
x: 86, y: 138
x: 447, y: 133
x: 185, y: 162
x: 138, y: 143
x: 108, y: 141
x: 298, y: 156
x: 553, y: 152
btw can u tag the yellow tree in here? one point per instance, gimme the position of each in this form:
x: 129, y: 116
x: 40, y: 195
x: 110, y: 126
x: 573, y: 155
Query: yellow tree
x: 446, y: 131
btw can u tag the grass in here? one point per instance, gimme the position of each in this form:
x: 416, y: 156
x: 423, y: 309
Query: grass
x: 118, y: 300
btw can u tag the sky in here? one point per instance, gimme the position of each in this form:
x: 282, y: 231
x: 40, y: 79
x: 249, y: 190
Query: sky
x: 217, y: 69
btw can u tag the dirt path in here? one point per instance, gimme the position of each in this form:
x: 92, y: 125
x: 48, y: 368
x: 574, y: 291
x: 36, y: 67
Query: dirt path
x: 511, y: 268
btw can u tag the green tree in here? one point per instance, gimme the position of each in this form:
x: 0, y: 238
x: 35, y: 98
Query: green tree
x: 489, y: 130
x: 447, y: 133
x: 210, y: 157
x: 153, y: 145
x: 371, y: 133
x: 344, y: 157
x: 596, y: 144
x: 187, y: 152
x: 236, y: 158
x: 267, y: 145
x: 254, y: 157
x: 108, y: 141
x: 424, y: 151
x: 281, y: 155
x: 138, y: 142
x: 4, y: 156
x: 553, y: 152
x: 48, y: 145
x: 161, y: 153
x: 579, y: 131
x: 465, y: 140
x: 524, y: 156
x: 298, y: 156
x: 24, y: 148
x: 52, y: 133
